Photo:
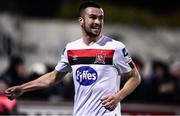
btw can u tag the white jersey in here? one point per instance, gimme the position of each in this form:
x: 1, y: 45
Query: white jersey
x: 96, y: 70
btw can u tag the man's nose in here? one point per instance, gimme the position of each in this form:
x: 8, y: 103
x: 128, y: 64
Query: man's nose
x: 97, y: 21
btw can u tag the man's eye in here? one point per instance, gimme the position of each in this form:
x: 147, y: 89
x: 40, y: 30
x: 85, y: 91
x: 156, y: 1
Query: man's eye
x: 101, y: 18
x: 92, y: 17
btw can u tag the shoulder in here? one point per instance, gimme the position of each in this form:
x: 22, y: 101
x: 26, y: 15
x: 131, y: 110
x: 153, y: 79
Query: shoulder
x: 74, y: 43
x: 117, y: 44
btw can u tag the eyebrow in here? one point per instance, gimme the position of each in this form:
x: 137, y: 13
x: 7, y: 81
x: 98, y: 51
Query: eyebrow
x: 96, y: 15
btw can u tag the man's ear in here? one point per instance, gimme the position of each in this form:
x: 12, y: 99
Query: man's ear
x: 81, y: 20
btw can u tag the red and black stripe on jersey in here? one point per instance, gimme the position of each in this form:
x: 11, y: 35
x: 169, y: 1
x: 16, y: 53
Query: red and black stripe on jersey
x: 90, y: 56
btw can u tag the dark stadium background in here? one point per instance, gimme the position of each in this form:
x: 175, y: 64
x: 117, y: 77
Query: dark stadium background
x: 150, y: 28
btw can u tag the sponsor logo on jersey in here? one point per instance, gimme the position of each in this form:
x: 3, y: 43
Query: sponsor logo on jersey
x: 86, y: 75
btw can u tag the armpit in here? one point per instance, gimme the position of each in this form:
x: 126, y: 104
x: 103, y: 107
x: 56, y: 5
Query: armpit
x: 128, y: 74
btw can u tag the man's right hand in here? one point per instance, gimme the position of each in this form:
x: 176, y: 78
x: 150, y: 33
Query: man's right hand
x: 13, y: 92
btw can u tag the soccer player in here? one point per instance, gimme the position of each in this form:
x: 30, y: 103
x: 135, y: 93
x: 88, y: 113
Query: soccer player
x: 97, y: 62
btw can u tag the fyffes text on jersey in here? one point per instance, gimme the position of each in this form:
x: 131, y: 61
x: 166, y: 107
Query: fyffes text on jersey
x: 86, y: 75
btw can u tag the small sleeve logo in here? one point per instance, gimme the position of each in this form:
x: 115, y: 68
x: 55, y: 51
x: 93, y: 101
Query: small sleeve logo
x: 125, y: 52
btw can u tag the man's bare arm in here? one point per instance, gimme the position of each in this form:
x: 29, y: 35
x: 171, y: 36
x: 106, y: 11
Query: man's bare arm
x: 42, y: 82
x: 110, y: 102
x: 133, y: 81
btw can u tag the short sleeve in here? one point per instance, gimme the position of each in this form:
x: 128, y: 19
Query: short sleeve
x: 122, y: 60
x: 63, y: 64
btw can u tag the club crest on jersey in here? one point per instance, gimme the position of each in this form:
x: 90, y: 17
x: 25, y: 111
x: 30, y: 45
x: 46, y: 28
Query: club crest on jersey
x: 86, y: 75
x: 100, y: 58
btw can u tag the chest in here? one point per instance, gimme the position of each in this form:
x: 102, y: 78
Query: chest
x: 91, y: 56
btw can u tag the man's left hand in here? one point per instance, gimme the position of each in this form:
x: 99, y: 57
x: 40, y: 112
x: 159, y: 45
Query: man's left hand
x: 110, y: 102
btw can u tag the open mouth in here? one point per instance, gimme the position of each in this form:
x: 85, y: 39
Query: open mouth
x: 96, y: 28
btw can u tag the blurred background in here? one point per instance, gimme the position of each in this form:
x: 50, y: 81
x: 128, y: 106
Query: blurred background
x: 33, y: 34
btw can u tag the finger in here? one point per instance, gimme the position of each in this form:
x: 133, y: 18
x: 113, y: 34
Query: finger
x: 110, y: 107
x: 107, y: 100
x: 7, y: 91
x: 10, y: 90
x: 111, y: 104
x: 8, y: 95
x: 107, y: 104
x: 104, y: 98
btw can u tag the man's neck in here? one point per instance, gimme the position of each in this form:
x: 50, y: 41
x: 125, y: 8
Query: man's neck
x: 90, y: 40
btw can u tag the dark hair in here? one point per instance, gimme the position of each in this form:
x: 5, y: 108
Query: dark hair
x: 86, y: 4
x: 15, y: 60
x: 160, y: 64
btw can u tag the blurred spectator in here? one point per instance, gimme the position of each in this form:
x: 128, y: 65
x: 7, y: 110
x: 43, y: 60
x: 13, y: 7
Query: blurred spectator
x: 161, y: 87
x: 6, y: 43
x: 34, y: 71
x: 175, y: 74
x: 15, y: 74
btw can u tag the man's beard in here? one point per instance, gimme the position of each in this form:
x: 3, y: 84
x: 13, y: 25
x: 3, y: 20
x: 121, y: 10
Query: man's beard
x: 89, y: 32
